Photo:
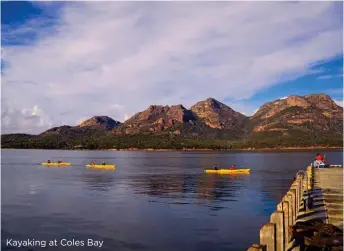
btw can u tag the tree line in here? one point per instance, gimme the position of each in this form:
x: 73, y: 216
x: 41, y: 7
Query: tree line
x: 168, y: 141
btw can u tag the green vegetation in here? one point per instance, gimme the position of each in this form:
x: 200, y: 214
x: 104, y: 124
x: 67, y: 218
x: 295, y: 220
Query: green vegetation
x: 169, y: 141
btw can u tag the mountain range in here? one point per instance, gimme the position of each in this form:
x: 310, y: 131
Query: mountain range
x: 311, y: 120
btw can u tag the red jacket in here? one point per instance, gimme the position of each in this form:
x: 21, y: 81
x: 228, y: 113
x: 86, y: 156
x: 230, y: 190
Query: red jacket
x: 320, y: 158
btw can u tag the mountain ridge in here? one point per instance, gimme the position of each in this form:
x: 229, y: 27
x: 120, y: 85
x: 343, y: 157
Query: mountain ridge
x: 288, y: 119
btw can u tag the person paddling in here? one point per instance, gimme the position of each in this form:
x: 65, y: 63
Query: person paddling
x: 232, y: 167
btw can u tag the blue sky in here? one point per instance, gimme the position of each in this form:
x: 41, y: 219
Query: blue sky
x: 69, y: 61
x: 329, y: 81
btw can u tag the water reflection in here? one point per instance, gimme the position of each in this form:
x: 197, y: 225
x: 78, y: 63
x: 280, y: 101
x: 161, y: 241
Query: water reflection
x: 101, y: 180
x: 158, y: 185
x: 219, y: 187
x: 190, y: 188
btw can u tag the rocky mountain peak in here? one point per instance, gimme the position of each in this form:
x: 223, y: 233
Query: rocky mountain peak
x: 180, y: 113
x: 294, y: 100
x: 211, y: 102
x: 322, y: 101
x: 217, y: 115
x: 181, y: 107
x: 100, y: 121
x: 156, y: 108
x: 270, y: 109
x: 157, y: 118
x: 304, y: 113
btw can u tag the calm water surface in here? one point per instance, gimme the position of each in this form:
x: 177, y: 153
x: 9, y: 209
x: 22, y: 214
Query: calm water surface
x: 158, y: 201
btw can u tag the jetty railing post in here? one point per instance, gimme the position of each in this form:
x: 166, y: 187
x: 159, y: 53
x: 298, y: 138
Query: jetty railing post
x: 274, y: 236
x: 303, y: 178
x: 257, y: 247
x: 306, y: 182
x: 285, y: 206
x: 309, y: 178
x: 291, y: 209
x: 298, y: 194
x: 280, y: 206
x: 268, y: 236
x: 292, y: 192
x: 278, y: 219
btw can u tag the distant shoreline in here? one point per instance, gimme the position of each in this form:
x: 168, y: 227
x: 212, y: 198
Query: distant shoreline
x: 223, y: 150
x: 193, y: 150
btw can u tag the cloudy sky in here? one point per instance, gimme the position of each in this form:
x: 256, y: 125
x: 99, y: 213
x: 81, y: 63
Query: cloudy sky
x: 65, y: 62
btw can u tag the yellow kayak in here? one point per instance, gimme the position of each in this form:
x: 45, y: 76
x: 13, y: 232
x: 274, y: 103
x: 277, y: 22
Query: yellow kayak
x: 228, y: 171
x: 56, y: 164
x: 101, y: 166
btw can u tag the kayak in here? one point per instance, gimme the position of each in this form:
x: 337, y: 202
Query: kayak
x: 101, y: 166
x: 227, y: 171
x: 56, y: 164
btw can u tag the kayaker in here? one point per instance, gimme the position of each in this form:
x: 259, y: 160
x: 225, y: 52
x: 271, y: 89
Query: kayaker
x: 216, y: 168
x: 103, y: 163
x: 93, y: 163
x: 48, y: 161
x: 59, y: 161
x: 232, y: 167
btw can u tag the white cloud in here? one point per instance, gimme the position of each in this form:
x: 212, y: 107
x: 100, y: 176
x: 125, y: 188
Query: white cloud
x: 329, y: 76
x: 133, y: 54
x: 242, y: 107
x: 79, y: 121
x: 335, y: 91
x: 325, y: 77
x: 29, y: 120
x: 339, y: 102
x: 126, y: 117
x: 254, y: 112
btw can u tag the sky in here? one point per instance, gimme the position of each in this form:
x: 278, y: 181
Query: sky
x: 64, y: 62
